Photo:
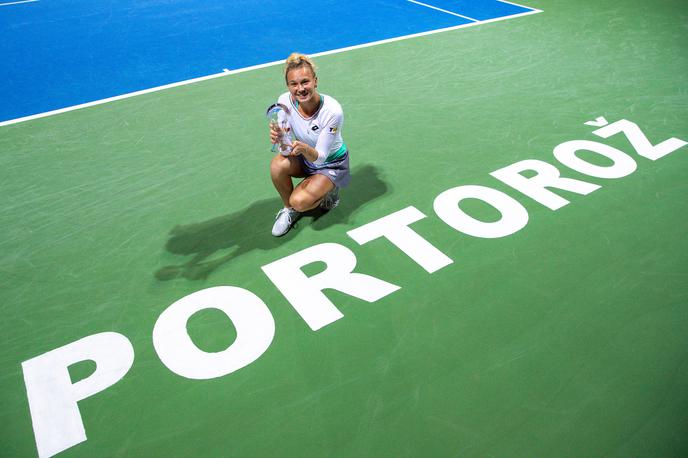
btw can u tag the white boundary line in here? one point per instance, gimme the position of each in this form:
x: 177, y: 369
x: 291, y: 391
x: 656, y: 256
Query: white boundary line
x: 17, y: 3
x: 227, y: 72
x: 522, y: 6
x: 444, y: 11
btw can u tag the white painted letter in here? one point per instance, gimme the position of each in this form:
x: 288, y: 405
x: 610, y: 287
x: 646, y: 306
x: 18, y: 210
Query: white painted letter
x: 639, y: 141
x: 305, y: 293
x: 395, y: 228
x: 623, y: 165
x: 53, y: 398
x: 535, y: 187
x: 252, y: 319
x: 514, y: 215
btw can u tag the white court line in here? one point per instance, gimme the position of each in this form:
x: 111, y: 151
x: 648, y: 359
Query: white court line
x: 522, y: 6
x: 17, y: 3
x: 227, y: 72
x: 444, y: 11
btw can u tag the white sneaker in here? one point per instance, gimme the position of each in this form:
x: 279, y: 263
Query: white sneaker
x: 331, y: 199
x: 284, y: 220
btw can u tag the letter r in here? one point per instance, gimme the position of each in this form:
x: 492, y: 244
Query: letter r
x: 305, y: 293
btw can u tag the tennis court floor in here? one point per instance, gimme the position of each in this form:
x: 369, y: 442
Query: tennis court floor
x: 507, y: 274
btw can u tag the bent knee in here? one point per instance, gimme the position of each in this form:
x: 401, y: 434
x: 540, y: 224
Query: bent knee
x: 285, y: 166
x: 301, y: 202
x: 279, y: 163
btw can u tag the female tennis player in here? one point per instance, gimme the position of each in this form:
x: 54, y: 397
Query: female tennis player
x: 318, y: 153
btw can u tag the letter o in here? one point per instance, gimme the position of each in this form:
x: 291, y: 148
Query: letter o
x: 255, y: 328
x: 514, y: 215
x: 623, y: 163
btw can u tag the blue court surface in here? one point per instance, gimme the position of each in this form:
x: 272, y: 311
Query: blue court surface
x: 58, y: 53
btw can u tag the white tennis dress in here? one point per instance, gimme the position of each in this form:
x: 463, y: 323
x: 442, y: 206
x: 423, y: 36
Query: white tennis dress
x: 322, y: 131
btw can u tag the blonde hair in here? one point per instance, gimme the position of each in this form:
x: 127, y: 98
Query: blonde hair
x: 297, y: 60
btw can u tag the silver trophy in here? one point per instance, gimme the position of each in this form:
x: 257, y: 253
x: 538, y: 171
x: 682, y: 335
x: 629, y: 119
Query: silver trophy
x: 277, y: 119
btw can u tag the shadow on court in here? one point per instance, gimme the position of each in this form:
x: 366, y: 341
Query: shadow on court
x: 213, y: 243
x: 366, y: 186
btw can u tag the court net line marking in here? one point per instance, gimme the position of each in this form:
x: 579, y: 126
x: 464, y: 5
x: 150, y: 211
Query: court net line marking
x: 227, y: 72
x: 444, y: 11
x: 17, y: 3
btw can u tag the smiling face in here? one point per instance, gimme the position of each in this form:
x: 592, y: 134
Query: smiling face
x: 303, y: 84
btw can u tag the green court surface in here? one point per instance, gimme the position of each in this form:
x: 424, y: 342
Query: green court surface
x: 566, y: 338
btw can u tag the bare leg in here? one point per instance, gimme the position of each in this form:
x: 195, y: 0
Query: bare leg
x: 310, y: 192
x: 282, y: 169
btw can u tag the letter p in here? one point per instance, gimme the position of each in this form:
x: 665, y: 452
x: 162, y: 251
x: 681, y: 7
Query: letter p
x: 53, y: 397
